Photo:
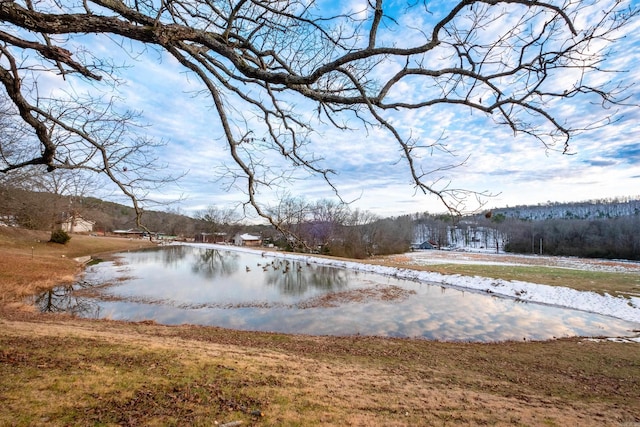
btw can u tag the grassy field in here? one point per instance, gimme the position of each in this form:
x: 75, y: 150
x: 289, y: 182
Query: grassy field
x: 30, y: 263
x: 57, y: 370
x: 614, y: 283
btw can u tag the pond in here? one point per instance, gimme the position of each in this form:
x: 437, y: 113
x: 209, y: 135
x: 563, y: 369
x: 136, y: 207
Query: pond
x: 255, y: 291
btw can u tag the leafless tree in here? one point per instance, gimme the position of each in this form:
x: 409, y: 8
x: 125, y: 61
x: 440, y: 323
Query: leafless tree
x: 220, y: 220
x: 391, y: 235
x: 79, y: 134
x: 57, y: 195
x: 291, y: 216
x: 358, y: 236
x: 276, y: 71
x: 326, y: 221
x: 68, y: 186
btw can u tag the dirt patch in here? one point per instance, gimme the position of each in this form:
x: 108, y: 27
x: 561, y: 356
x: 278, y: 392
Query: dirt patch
x: 378, y: 293
x: 334, y: 299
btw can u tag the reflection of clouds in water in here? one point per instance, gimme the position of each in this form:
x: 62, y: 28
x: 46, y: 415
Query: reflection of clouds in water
x: 379, y: 319
x: 265, y: 300
x: 473, y: 318
x: 497, y: 320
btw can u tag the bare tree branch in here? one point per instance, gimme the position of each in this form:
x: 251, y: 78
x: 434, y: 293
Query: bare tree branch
x: 256, y: 59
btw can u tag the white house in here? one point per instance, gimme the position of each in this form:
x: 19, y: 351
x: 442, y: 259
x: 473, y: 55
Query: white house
x: 77, y: 224
x: 247, y: 240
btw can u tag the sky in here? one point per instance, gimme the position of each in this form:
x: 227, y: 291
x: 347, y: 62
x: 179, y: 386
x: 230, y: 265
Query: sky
x: 370, y: 171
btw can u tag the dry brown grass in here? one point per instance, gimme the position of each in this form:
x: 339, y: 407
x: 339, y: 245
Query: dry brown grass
x: 29, y: 263
x: 55, y: 370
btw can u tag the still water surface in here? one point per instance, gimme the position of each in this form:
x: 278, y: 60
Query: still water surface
x: 239, y: 290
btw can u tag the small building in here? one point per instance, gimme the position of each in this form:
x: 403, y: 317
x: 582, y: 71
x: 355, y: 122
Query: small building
x: 77, y: 224
x: 247, y: 240
x: 423, y: 246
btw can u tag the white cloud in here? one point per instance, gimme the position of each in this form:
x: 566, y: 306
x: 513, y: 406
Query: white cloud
x: 369, y: 163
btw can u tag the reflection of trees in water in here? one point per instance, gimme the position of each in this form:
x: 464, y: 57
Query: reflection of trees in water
x: 167, y: 255
x: 64, y: 299
x: 327, y: 278
x: 213, y: 263
x: 172, y: 255
x: 296, y: 278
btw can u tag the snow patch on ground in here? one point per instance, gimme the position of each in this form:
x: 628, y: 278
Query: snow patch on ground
x: 613, y: 339
x: 491, y: 258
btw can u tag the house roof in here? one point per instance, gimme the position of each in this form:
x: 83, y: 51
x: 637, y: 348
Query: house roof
x: 249, y: 237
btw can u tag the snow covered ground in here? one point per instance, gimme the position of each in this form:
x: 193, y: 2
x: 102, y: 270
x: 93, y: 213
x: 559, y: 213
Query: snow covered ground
x: 488, y: 257
x: 608, y: 305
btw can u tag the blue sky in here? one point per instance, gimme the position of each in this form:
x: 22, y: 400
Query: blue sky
x: 370, y: 172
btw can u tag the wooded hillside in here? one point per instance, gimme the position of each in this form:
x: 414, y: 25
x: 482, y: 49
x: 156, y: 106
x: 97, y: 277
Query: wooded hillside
x: 596, y: 229
x: 602, y: 228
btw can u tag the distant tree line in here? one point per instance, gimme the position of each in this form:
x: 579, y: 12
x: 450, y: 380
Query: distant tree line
x: 605, y: 237
x: 597, y: 238
x: 324, y: 226
x: 333, y: 228
x: 590, y: 209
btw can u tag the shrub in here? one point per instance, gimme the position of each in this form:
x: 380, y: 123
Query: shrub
x: 59, y: 236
